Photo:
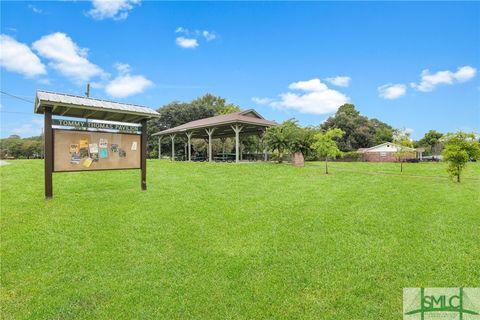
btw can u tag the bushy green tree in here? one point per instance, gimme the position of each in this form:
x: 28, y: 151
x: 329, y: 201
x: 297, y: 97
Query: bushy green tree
x: 430, y: 141
x: 177, y: 113
x: 360, y: 132
x: 383, y: 133
x: 278, y: 138
x: 16, y: 147
x: 289, y: 137
x: 325, y: 145
x: 460, y: 147
x: 301, y: 140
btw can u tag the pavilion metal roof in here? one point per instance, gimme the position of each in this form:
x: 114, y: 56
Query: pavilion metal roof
x: 81, y: 107
x: 249, y: 118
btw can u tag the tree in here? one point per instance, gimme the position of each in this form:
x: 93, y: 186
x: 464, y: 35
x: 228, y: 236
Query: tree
x: 430, y: 141
x: 279, y: 138
x: 215, y: 103
x: 32, y: 148
x: 360, y: 132
x: 300, y: 144
x: 383, y: 133
x: 177, y: 113
x: 325, y: 145
x: 460, y: 147
x: 403, y: 143
x: 16, y: 147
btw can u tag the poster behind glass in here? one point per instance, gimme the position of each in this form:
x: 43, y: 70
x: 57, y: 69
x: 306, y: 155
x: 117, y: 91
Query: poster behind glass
x: 86, y: 150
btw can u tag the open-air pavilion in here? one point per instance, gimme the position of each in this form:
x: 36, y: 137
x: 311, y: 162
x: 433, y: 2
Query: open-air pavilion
x: 238, y: 124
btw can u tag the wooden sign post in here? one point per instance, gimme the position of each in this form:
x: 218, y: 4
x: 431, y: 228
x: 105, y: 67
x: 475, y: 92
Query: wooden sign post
x: 48, y: 152
x: 79, y: 145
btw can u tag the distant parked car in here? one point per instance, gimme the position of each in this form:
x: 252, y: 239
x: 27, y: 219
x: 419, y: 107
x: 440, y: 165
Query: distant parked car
x: 412, y: 160
x: 431, y: 158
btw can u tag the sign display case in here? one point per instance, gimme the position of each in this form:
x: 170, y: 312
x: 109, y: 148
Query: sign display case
x: 75, y: 150
x: 112, y: 136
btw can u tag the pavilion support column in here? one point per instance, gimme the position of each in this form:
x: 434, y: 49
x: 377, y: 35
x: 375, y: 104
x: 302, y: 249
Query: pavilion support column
x: 237, y: 128
x: 223, y: 145
x: 189, y: 139
x: 262, y: 145
x: 241, y: 147
x: 159, y: 148
x: 172, y: 136
x: 210, y: 131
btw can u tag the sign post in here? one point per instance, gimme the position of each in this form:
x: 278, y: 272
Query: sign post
x: 79, y: 145
x: 48, y: 152
x: 143, y: 160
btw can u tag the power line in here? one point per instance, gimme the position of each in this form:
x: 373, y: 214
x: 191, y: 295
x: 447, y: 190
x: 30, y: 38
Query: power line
x: 16, y: 97
x: 15, y: 112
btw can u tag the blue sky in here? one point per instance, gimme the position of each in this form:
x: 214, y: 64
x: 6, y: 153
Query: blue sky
x: 412, y: 65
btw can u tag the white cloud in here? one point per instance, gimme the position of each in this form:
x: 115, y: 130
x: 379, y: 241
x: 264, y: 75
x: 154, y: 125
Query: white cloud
x: 465, y: 73
x: 30, y: 129
x: 430, y: 81
x: 341, y: 81
x: 125, y: 85
x: 316, y: 98
x: 35, y: 9
x: 209, y: 35
x: 309, y: 85
x: 113, y: 9
x: 190, y: 39
x: 261, y: 100
x: 392, y: 91
x: 18, y: 57
x: 122, y: 68
x: 67, y: 57
x: 189, y: 43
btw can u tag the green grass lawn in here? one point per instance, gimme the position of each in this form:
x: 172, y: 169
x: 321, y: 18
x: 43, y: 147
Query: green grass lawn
x: 226, y: 241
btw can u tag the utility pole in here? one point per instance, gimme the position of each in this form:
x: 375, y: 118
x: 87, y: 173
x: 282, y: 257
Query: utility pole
x: 87, y: 93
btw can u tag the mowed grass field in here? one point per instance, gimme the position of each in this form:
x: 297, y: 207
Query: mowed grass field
x: 226, y: 241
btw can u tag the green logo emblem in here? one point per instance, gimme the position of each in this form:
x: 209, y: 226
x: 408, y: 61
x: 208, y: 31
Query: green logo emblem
x: 441, y: 303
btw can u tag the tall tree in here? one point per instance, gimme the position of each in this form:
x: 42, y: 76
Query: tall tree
x: 430, y: 141
x: 360, y: 132
x: 16, y: 147
x: 460, y: 147
x: 383, y: 132
x: 215, y: 103
x: 177, y: 113
x: 325, y: 145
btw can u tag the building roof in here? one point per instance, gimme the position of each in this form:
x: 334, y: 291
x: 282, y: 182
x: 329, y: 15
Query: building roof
x: 251, y: 120
x: 81, y: 107
x: 373, y: 149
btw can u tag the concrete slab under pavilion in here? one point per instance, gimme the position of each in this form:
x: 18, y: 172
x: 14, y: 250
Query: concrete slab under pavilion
x: 238, y: 124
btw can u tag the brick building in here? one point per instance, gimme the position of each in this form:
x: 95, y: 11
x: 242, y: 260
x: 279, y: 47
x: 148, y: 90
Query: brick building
x: 386, y: 152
